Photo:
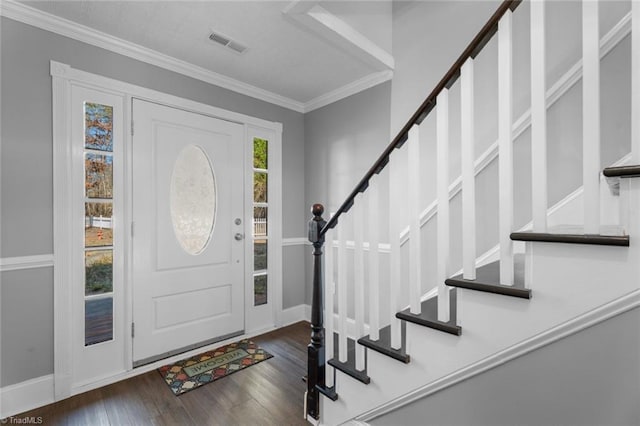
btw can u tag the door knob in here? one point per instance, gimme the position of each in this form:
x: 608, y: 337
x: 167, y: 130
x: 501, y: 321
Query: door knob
x: 239, y: 236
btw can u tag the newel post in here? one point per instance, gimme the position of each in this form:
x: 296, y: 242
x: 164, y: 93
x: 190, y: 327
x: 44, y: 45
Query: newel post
x: 315, y: 350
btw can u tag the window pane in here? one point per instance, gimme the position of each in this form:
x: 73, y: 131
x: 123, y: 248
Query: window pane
x: 260, y: 148
x: 98, y: 127
x: 98, y: 175
x: 98, y: 268
x: 193, y: 199
x: 260, y: 255
x: 98, y: 320
x: 260, y: 221
x: 260, y: 187
x: 259, y: 290
x: 98, y: 224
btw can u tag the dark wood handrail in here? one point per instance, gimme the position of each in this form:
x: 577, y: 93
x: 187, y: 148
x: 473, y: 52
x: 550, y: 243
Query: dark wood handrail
x: 476, y: 45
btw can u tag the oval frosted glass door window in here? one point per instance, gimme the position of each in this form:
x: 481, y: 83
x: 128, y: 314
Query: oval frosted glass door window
x: 193, y: 199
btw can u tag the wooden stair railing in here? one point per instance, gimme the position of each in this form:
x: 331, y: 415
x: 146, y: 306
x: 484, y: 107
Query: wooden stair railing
x: 505, y: 277
x: 318, y: 227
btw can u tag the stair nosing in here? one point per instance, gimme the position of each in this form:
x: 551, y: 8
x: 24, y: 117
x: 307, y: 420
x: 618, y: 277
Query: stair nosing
x: 501, y: 289
x: 328, y: 392
x: 391, y: 353
x: 605, y: 240
x: 436, y: 325
x: 361, y: 376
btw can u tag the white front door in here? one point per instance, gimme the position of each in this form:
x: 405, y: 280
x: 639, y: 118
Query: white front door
x: 188, y: 246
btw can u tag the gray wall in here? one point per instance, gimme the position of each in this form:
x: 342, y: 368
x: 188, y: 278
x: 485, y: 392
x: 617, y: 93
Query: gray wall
x: 26, y: 325
x: 342, y: 140
x: 26, y: 176
x: 589, y: 378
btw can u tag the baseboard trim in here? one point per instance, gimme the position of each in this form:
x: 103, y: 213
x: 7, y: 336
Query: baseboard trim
x: 598, y: 315
x: 25, y: 396
x: 295, y: 314
x: 38, y: 392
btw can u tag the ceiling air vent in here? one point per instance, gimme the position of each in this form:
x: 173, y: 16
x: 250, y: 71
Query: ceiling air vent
x: 227, y: 42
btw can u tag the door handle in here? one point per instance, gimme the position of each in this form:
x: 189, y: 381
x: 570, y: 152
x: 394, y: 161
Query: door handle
x: 239, y: 236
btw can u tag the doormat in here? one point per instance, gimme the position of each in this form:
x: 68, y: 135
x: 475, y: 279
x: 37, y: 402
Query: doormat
x: 210, y: 366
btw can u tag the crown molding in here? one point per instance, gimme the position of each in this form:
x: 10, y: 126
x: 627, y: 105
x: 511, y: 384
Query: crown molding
x: 48, y: 22
x: 347, y: 90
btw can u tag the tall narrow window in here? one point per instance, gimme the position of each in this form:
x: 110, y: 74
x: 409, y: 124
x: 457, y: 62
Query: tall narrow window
x: 98, y: 226
x: 260, y: 221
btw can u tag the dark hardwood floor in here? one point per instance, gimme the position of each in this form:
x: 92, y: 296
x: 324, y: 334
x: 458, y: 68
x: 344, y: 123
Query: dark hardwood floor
x: 269, y: 393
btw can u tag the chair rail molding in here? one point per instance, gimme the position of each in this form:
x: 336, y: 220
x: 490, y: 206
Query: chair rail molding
x: 26, y: 262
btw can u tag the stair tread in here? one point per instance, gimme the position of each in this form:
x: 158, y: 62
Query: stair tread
x: 383, y: 345
x: 622, y: 171
x: 348, y: 367
x: 429, y: 315
x: 609, y: 235
x: 328, y: 392
x: 488, y: 280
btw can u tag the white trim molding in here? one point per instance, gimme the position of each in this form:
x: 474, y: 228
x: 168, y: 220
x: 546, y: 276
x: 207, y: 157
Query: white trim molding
x: 334, y: 29
x: 66, y: 28
x: 352, y: 88
x: 26, y: 262
x: 295, y: 314
x: 67, y: 73
x: 25, y: 396
x: 619, y: 306
x: 301, y: 241
x: 46, y: 21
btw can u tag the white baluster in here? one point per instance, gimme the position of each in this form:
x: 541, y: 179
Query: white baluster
x: 591, y: 115
x: 342, y: 293
x: 358, y: 277
x: 394, y: 243
x: 442, y: 136
x: 415, y: 262
x: 374, y: 259
x: 329, y: 290
x: 505, y: 146
x: 538, y: 117
x: 467, y: 154
x: 635, y: 82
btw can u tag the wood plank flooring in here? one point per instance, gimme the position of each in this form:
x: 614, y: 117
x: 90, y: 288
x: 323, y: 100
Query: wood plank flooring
x: 268, y: 393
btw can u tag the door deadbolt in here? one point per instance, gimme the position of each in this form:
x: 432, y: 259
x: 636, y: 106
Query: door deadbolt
x: 238, y: 221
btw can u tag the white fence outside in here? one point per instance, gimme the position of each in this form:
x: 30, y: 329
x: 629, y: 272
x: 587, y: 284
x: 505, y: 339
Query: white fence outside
x: 98, y: 222
x: 259, y: 227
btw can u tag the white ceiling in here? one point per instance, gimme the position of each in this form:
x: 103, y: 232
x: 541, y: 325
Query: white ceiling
x: 290, y: 54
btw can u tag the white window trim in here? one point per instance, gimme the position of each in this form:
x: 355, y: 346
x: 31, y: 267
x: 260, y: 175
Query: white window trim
x: 63, y: 77
x: 264, y: 317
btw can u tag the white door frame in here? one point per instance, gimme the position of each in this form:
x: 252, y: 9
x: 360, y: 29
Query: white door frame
x: 63, y: 78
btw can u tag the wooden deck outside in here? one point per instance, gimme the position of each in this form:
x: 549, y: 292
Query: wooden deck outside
x: 269, y: 393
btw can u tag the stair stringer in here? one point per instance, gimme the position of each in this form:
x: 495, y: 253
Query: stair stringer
x: 569, y: 281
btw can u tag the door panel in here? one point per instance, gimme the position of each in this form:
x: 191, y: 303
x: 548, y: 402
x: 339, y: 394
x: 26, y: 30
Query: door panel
x: 187, y: 266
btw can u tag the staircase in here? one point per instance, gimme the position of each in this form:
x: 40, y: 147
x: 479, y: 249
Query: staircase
x: 382, y: 337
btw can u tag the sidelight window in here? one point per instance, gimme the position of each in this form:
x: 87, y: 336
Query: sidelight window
x: 260, y: 221
x: 98, y: 223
